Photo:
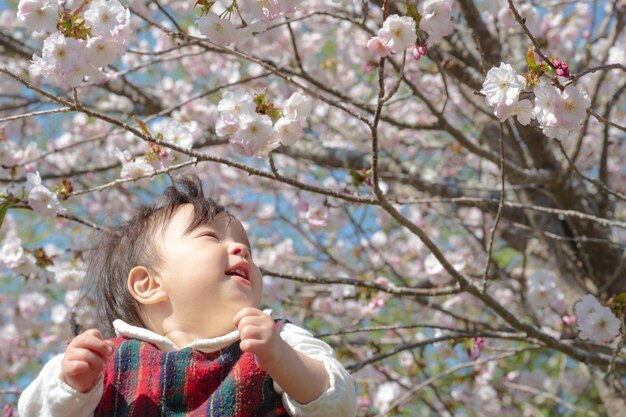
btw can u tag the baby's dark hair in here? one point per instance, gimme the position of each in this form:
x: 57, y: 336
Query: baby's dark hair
x: 132, y: 244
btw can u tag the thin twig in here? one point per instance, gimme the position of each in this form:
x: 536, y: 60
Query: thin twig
x: 499, y: 212
x: 36, y: 113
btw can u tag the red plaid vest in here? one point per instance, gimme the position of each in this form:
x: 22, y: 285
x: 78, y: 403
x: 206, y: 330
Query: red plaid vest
x: 141, y: 380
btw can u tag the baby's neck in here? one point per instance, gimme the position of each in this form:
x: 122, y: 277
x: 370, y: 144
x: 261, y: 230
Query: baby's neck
x: 182, y: 334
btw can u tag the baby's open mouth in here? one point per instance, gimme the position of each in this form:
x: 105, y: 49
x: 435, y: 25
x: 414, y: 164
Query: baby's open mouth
x: 239, y: 270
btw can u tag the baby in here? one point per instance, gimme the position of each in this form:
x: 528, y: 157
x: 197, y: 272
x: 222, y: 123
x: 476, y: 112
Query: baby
x: 178, y: 287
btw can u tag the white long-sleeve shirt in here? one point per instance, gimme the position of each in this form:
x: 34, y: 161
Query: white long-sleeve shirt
x: 49, y: 396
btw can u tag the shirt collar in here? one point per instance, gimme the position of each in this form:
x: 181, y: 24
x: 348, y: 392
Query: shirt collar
x: 166, y: 345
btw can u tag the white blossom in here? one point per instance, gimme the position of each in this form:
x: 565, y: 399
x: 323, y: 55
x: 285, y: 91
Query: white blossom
x: 237, y: 102
x: 102, y: 51
x: 227, y: 125
x: 595, y: 321
x: 559, y: 113
x: 436, y: 19
x: 255, y: 131
x: 12, y: 253
x: 175, y: 132
x: 39, y: 14
x: 107, y: 17
x: 61, y: 53
x: 502, y: 85
x: 572, y: 108
x: 601, y: 326
x: 397, y: 33
x: 41, y: 199
x: 287, y: 131
x: 523, y: 109
x: 217, y: 30
x: 133, y: 168
x: 297, y: 107
x: 585, y: 307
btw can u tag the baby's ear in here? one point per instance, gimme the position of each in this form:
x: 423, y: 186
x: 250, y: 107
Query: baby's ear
x: 145, y: 287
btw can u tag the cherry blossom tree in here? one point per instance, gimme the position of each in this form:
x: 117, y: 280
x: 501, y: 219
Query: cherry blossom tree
x: 434, y: 187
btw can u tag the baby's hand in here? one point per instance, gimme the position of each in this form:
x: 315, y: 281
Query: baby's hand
x: 259, y: 336
x: 84, y: 360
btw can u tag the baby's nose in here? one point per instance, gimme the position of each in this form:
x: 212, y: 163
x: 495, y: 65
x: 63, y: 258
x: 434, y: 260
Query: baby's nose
x: 240, y: 249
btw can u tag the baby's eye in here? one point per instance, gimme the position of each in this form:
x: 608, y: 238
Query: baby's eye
x: 211, y: 235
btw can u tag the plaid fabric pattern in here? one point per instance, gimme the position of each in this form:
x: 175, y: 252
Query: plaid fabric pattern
x: 141, y: 380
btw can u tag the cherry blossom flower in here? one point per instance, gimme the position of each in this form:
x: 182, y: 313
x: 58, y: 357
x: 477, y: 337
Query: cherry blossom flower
x: 571, y: 111
x: 288, y: 131
x: 217, y: 30
x: 297, y: 106
x: 237, y: 102
x: 595, y: 321
x: 255, y: 131
x: 436, y: 19
x: 559, y: 113
x: 41, y: 199
x: 174, y: 132
x: 133, y: 168
x: 585, y: 307
x: 39, y: 14
x: 523, y: 109
x: 102, y: 51
x: 502, y: 85
x: 227, y: 125
x: 12, y: 253
x: 602, y: 326
x: 60, y: 52
x: 376, y: 46
x: 107, y: 17
x: 397, y: 33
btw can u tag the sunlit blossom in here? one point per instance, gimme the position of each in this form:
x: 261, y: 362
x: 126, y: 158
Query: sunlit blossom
x: 397, y: 33
x: 436, y: 19
x: 39, y: 14
x: 502, y: 85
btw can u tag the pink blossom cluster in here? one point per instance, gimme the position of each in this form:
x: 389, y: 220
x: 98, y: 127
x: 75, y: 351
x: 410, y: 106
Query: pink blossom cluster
x: 167, y: 130
x: 224, y: 28
x: 559, y: 111
x: 595, y: 321
x: 255, y: 134
x: 399, y: 32
x: 67, y: 60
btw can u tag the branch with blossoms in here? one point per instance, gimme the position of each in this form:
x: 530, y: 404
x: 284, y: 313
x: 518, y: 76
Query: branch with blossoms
x: 397, y: 192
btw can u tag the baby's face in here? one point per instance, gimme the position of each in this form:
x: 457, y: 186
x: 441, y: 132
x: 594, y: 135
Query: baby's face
x: 208, y: 273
